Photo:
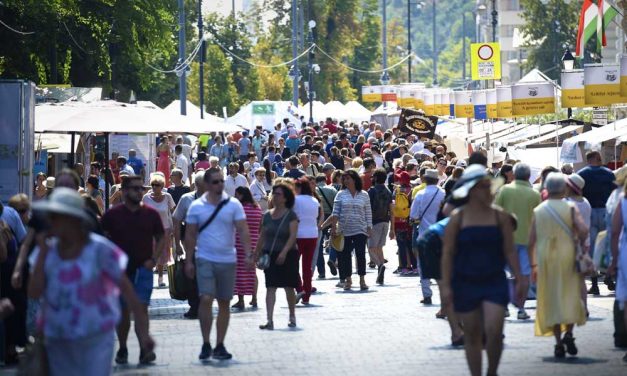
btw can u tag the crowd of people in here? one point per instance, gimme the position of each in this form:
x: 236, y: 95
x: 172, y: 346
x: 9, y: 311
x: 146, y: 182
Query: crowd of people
x: 282, y: 201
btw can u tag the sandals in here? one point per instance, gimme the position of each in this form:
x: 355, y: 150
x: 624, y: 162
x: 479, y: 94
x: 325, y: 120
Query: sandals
x: 292, y: 322
x: 569, y: 342
x: 268, y: 326
x: 253, y: 303
x: 440, y: 315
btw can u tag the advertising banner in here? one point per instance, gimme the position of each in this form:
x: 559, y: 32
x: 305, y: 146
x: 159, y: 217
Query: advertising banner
x: 491, y: 104
x: 573, y: 94
x: 602, y: 84
x: 463, y: 104
x: 371, y: 94
x: 533, y: 98
x: 504, y: 102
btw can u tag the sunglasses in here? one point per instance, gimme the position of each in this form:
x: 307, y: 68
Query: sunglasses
x: 154, y: 185
x: 220, y: 181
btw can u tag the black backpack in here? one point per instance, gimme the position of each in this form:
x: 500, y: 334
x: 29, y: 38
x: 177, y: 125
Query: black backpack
x: 430, y: 254
x: 380, y: 204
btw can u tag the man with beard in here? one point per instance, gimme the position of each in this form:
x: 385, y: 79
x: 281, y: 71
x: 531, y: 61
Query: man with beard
x: 138, y: 231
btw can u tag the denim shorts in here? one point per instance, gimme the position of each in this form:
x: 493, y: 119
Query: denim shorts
x: 142, y: 283
x: 523, y: 260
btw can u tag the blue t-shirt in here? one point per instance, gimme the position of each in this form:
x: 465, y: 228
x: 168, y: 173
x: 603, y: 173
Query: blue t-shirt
x: 292, y: 144
x: 599, y: 185
x: 136, y: 163
x: 244, y: 145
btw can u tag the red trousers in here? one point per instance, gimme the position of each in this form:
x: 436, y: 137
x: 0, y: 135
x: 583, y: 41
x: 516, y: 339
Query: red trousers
x: 306, y: 248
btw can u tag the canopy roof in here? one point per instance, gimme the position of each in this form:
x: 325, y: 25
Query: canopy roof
x: 116, y: 117
x: 549, y: 136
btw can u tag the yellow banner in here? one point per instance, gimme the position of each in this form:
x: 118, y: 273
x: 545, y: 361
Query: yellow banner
x: 406, y: 102
x: 504, y: 110
x: 485, y: 61
x: 430, y: 110
x: 533, y: 106
x: 573, y: 98
x: 464, y: 111
x: 491, y: 111
x: 419, y: 104
x: 602, y: 84
x: 370, y: 94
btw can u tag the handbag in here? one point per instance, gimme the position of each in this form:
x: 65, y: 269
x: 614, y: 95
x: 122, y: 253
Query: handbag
x: 264, y: 260
x: 583, y: 263
x: 35, y: 362
x: 179, y: 284
x: 337, y: 242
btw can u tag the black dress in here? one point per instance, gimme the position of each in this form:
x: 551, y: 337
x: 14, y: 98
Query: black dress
x: 286, y: 275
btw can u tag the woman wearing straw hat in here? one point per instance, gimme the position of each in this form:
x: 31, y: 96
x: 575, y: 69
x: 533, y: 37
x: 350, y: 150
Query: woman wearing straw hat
x: 79, y: 276
x: 478, y: 242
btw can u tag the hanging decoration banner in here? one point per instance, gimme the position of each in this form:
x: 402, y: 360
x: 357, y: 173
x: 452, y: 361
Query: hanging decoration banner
x: 533, y: 98
x: 429, y: 102
x: 412, y: 121
x: 491, y: 104
x: 371, y: 94
x: 479, y: 105
x: 623, y: 76
x: 463, y: 104
x: 485, y: 61
x: 405, y: 98
x: 419, y: 102
x: 437, y: 103
x: 504, y: 102
x: 602, y: 84
x: 573, y: 94
x: 388, y: 93
x: 445, y: 103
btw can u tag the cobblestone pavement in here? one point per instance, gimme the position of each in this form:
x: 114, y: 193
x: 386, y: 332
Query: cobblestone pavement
x: 384, y: 331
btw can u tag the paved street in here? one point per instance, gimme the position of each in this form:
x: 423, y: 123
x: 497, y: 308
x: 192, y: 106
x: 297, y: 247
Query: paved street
x: 384, y: 331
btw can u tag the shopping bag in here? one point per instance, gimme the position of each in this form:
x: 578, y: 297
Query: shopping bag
x: 179, y: 283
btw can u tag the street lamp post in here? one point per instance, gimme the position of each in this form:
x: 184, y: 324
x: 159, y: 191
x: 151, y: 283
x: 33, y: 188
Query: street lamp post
x: 568, y: 60
x: 435, y: 49
x: 312, y: 24
x: 294, y: 73
x: 495, y: 20
x: 201, y: 65
x: 418, y: 5
x: 182, y: 77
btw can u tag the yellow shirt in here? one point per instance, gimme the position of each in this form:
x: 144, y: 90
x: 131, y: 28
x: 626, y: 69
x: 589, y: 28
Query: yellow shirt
x: 417, y: 189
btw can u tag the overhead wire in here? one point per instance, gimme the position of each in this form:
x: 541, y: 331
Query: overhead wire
x: 74, y: 40
x: 182, y: 66
x: 364, y: 70
x: 263, y: 65
x: 16, y: 31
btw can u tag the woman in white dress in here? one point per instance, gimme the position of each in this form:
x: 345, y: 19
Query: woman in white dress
x: 163, y: 203
x: 260, y: 188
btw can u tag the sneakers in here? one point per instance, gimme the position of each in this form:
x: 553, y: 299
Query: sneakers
x: 121, y: 357
x: 381, y: 275
x: 332, y: 267
x: 405, y: 271
x: 559, y: 352
x: 190, y: 315
x: 205, y: 352
x: 522, y: 315
x: 609, y: 282
x: 340, y: 284
x: 220, y: 353
x: 321, y: 277
x: 267, y: 326
x: 147, y: 357
x: 426, y: 301
x: 594, y: 290
x: 569, y: 341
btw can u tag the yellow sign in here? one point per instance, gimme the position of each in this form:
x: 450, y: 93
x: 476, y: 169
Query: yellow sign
x: 491, y: 104
x: 405, y: 98
x: 533, y: 99
x: 485, y: 61
x: 623, y: 76
x: 419, y: 103
x: 463, y: 104
x: 504, y: 102
x: 602, y: 84
x: 370, y: 94
x: 573, y: 94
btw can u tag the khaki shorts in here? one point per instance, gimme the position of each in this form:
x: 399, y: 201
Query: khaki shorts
x: 215, y: 279
x: 379, y: 233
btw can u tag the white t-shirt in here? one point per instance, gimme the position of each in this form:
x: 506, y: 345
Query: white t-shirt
x: 231, y: 183
x: 307, y: 209
x: 183, y: 164
x: 216, y: 243
x: 164, y: 208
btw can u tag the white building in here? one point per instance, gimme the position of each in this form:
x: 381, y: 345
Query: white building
x: 510, y: 22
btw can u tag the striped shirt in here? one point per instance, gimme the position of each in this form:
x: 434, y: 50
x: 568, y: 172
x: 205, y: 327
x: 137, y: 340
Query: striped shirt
x: 354, y: 213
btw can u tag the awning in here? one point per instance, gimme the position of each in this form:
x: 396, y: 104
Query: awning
x: 116, y: 117
x: 55, y: 142
x: 548, y: 136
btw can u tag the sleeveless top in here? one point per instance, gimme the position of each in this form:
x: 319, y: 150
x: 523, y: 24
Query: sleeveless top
x: 479, y: 255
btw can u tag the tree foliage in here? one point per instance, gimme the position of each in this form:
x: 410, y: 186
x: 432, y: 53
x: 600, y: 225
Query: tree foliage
x: 553, y: 23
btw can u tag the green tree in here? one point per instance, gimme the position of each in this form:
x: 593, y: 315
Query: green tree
x: 553, y: 23
x: 367, y: 53
x: 219, y: 87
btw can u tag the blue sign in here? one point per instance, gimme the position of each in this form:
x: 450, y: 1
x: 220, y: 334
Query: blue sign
x: 481, y: 112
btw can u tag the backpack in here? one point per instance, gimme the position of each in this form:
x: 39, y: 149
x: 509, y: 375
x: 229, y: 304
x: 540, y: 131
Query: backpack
x: 380, y: 204
x: 401, y: 204
x: 430, y: 253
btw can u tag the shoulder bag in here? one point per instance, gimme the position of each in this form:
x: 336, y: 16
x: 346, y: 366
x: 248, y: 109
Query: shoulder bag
x: 264, y: 260
x: 583, y: 263
x: 417, y: 221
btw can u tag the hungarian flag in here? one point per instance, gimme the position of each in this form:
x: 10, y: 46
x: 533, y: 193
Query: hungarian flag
x: 587, y: 25
x: 606, y: 12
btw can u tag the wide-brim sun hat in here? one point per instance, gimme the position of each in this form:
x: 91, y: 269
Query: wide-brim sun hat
x: 472, y: 175
x: 64, y: 201
x: 621, y: 176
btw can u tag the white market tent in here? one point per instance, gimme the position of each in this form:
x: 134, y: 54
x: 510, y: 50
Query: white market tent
x: 335, y: 110
x: 356, y: 113
x: 265, y: 113
x: 116, y: 117
x: 192, y: 110
x: 574, y: 148
x: 318, y: 111
x: 548, y: 136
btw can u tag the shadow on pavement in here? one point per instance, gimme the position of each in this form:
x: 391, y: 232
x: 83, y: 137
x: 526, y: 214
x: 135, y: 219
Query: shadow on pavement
x: 574, y: 360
